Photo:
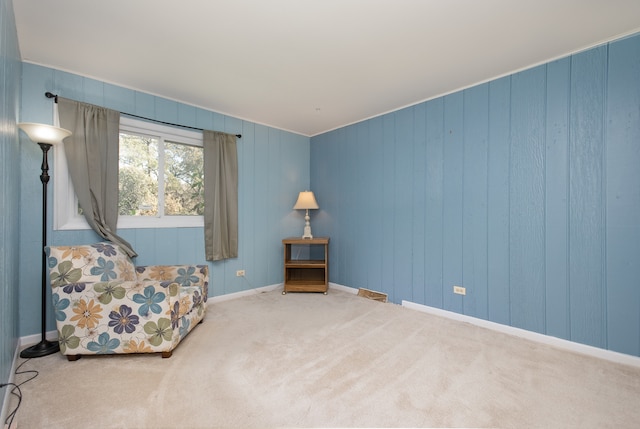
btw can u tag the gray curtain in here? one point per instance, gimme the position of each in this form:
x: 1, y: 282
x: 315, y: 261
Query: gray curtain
x: 220, y: 195
x: 92, y: 157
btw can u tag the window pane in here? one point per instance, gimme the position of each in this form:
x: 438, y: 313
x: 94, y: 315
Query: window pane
x: 183, y: 180
x: 138, y: 175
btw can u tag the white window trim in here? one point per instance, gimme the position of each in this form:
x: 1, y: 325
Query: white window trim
x: 65, y: 215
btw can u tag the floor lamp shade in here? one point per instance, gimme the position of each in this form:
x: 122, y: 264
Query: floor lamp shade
x: 42, y: 133
x: 45, y: 136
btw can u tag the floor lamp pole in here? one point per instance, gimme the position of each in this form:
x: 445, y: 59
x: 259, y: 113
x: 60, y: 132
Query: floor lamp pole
x: 44, y: 347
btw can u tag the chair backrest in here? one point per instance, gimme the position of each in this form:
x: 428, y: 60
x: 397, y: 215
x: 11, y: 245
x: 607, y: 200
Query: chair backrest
x: 99, y: 262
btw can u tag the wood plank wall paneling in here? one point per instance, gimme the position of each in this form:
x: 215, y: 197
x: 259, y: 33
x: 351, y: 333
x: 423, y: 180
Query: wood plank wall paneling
x: 499, y: 159
x: 388, y: 208
x: 273, y: 168
x: 10, y: 146
x: 526, y: 200
x: 418, y: 208
x: 556, y: 201
x: 525, y: 190
x: 373, y: 183
x: 475, y: 191
x: 452, y: 200
x: 404, y: 202
x: 434, y: 204
x: 586, y: 209
x: 622, y: 137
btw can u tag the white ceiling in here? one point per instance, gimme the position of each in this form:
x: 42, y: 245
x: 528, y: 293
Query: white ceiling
x: 310, y: 66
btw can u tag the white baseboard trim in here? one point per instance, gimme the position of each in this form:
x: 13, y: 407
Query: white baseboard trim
x: 343, y: 288
x: 7, y: 389
x: 236, y: 295
x: 35, y: 339
x: 584, y: 349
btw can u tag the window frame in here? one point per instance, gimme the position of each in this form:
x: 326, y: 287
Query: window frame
x: 66, y: 216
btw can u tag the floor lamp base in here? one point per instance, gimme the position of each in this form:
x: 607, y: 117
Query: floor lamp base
x: 43, y: 348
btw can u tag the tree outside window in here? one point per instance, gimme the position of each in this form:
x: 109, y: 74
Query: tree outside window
x: 146, y: 192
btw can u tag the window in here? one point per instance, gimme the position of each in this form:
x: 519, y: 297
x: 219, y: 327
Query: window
x: 161, y: 179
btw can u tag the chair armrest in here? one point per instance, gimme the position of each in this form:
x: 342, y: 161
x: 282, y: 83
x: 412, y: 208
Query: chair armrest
x: 185, y: 276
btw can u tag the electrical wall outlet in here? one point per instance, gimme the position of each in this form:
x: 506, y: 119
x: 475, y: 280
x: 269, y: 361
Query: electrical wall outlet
x: 459, y: 290
x: 240, y: 273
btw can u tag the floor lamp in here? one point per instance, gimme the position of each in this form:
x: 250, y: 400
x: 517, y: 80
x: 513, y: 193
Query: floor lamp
x: 46, y: 136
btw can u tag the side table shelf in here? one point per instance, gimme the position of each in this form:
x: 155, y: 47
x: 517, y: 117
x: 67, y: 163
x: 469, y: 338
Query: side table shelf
x: 310, y: 274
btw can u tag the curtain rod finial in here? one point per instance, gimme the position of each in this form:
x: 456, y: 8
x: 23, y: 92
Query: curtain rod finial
x: 50, y: 95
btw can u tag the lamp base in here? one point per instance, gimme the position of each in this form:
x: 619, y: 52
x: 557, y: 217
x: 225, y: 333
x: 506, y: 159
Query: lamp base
x: 43, y: 348
x: 307, y: 233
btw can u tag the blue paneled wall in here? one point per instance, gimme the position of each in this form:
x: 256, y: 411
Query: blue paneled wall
x: 10, y: 68
x: 525, y: 190
x: 273, y: 168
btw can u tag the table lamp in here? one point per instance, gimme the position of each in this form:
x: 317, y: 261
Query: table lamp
x: 306, y: 201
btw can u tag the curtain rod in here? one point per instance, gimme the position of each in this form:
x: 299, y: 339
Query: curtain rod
x: 55, y: 97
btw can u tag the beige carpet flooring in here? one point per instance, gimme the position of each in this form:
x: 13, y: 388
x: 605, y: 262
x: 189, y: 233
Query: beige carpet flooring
x: 309, y: 360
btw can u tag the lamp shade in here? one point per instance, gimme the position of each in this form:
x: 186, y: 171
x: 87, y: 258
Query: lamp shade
x: 306, y: 200
x: 42, y: 133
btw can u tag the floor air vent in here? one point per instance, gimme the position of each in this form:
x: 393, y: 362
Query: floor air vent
x: 370, y: 294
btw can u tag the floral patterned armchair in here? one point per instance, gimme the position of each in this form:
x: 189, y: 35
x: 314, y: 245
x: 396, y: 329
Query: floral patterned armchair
x: 103, y: 304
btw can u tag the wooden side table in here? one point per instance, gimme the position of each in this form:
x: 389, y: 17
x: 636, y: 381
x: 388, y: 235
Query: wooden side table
x: 306, y: 275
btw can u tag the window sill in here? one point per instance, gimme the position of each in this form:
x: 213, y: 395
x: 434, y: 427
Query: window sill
x: 128, y: 222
